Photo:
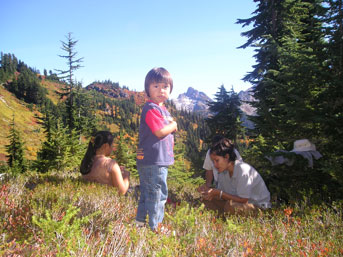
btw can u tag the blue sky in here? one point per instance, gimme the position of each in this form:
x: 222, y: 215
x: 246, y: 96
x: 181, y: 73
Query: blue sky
x: 196, y: 41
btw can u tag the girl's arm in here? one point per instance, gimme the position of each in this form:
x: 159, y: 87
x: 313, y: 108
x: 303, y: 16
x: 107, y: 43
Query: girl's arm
x: 119, y: 180
x: 166, y: 130
x: 215, y: 193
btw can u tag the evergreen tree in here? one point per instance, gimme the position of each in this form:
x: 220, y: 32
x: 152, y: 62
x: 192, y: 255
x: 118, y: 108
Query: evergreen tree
x: 67, y: 91
x: 48, y: 122
x: 288, y: 73
x: 178, y: 171
x: 15, y: 150
x: 8, y: 63
x: 265, y: 34
x: 60, y: 151
x: 296, y: 85
x: 225, y: 114
x: 73, y: 63
x: 124, y: 155
x: 27, y: 86
x: 330, y: 100
x: 84, y: 112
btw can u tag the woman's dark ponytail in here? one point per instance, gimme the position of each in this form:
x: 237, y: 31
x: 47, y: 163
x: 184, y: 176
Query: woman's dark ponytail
x: 100, y: 138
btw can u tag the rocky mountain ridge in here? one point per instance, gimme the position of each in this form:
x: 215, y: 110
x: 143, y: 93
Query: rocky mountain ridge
x: 196, y: 101
x: 193, y: 101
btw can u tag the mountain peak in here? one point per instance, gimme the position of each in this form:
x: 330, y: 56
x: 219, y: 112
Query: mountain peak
x: 193, y: 101
x: 195, y: 94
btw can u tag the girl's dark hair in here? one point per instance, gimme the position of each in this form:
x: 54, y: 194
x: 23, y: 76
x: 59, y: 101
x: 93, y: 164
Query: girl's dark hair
x: 157, y: 75
x: 224, y: 147
x: 100, y: 138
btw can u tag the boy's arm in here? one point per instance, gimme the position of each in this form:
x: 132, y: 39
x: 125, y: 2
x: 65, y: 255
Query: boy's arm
x: 155, y: 121
x: 166, y: 130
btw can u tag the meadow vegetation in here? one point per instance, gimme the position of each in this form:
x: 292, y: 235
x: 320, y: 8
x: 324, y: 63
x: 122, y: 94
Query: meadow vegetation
x: 58, y: 214
x: 47, y: 210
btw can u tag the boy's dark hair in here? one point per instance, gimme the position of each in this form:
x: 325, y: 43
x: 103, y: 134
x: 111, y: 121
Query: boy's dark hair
x: 157, y: 75
x: 100, y: 138
x: 224, y: 147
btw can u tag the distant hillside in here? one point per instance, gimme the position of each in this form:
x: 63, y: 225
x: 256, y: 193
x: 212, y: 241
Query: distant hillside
x: 113, y: 90
x: 25, y: 122
x: 32, y: 132
x: 52, y: 87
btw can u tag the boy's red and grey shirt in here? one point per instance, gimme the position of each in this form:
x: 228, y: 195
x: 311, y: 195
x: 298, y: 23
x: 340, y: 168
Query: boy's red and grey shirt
x: 153, y: 150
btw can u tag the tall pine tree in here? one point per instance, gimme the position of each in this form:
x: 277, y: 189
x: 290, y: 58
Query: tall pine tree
x: 294, y: 83
x: 68, y: 91
x: 288, y: 74
x: 225, y: 115
x: 330, y: 100
x: 15, y: 151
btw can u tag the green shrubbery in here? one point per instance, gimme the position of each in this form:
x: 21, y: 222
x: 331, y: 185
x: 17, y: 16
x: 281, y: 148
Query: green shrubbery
x: 298, y: 182
x: 60, y: 215
x: 64, y: 234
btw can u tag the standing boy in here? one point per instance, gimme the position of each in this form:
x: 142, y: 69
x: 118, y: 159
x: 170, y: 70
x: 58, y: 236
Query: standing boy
x: 155, y: 150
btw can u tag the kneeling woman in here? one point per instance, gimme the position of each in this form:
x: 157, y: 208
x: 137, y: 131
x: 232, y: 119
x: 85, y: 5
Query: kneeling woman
x: 241, y: 188
x: 96, y: 166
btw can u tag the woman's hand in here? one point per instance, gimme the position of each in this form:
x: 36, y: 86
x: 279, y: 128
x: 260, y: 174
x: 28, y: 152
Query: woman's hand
x: 203, y: 188
x: 210, y: 194
x: 125, y: 173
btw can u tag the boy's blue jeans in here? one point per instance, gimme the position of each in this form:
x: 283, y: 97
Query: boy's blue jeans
x: 154, y: 193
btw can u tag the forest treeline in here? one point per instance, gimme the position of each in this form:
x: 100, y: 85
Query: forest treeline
x: 297, y: 83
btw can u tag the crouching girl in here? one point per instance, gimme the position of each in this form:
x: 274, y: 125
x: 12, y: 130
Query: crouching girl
x: 241, y: 188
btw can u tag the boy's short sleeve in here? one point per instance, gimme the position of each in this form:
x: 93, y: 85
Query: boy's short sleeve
x: 154, y: 120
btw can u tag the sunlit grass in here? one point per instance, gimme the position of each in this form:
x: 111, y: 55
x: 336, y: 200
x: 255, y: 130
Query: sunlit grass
x: 93, y: 220
x: 52, y: 87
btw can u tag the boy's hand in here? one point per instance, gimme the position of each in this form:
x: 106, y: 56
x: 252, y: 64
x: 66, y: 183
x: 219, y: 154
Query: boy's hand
x: 166, y: 130
x: 175, y: 125
x: 170, y: 119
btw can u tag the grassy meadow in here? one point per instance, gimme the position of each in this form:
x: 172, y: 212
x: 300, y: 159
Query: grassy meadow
x: 58, y: 214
